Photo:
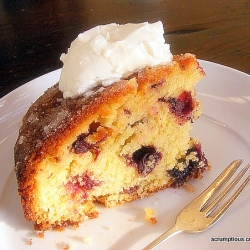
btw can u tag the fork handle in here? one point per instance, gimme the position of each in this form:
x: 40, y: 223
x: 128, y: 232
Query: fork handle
x: 171, y: 232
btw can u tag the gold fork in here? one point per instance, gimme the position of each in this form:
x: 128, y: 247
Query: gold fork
x: 203, y: 211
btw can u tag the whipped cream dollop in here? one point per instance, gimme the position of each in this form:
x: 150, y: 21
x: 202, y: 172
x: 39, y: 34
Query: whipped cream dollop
x: 106, y: 53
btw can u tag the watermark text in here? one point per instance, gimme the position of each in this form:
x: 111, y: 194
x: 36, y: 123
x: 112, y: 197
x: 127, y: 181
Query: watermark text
x: 230, y: 239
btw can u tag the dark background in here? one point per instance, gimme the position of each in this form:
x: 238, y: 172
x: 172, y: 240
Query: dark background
x: 33, y: 34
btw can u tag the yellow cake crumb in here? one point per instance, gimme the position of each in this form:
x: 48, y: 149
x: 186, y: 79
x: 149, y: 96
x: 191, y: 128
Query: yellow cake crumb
x: 66, y: 247
x: 189, y: 187
x: 150, y: 215
x: 30, y: 242
x: 41, y: 234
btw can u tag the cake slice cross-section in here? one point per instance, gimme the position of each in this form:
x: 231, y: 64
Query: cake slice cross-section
x: 125, y: 141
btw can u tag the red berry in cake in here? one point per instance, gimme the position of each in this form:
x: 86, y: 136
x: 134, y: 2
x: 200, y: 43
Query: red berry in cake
x: 93, y: 127
x: 192, y: 168
x: 146, y: 158
x: 127, y: 112
x: 81, y: 184
x: 199, y: 153
x: 158, y: 84
x: 91, y: 140
x: 80, y: 146
x: 131, y: 190
x: 181, y: 107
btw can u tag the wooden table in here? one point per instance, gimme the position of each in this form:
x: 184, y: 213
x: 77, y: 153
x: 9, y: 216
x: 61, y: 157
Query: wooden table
x: 33, y: 34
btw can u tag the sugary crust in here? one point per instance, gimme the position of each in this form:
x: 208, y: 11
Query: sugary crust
x: 52, y: 120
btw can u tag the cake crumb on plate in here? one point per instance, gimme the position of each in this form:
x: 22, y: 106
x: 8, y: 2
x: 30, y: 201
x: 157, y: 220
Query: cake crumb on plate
x: 150, y: 215
x: 41, y: 234
x: 189, y: 187
x: 30, y: 242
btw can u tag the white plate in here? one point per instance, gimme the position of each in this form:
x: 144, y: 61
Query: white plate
x: 225, y: 134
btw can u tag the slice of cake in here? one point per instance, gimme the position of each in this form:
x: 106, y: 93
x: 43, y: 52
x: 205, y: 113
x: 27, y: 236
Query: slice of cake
x: 110, y: 142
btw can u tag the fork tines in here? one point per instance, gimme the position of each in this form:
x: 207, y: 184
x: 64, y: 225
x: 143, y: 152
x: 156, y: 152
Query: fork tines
x: 211, y: 204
